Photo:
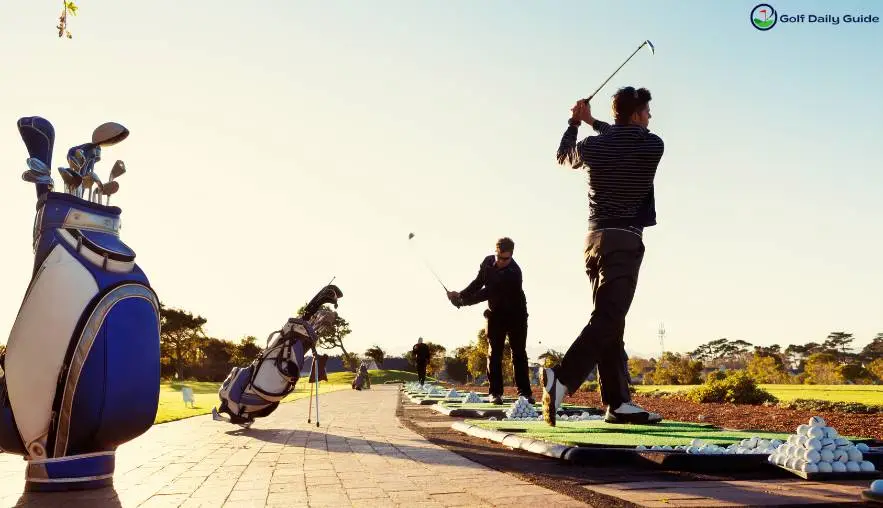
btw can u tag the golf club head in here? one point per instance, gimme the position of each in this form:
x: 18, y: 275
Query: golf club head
x: 109, y: 133
x: 38, y: 135
x: 38, y: 178
x: 76, y: 157
x: 118, y: 170
x: 110, y: 188
x: 37, y: 165
x: 410, y: 235
x: 652, y: 48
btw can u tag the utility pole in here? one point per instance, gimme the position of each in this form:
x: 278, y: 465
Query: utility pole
x: 662, y: 338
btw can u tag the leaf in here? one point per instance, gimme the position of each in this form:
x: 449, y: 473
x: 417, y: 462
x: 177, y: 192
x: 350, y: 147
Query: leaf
x: 72, y: 7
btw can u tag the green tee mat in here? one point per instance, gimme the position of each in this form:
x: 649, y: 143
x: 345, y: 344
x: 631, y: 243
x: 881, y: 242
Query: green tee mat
x: 596, y: 442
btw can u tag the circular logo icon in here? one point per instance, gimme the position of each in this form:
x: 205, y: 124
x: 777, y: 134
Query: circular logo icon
x: 763, y: 17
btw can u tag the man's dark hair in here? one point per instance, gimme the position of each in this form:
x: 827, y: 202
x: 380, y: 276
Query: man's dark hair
x: 505, y: 244
x: 628, y: 101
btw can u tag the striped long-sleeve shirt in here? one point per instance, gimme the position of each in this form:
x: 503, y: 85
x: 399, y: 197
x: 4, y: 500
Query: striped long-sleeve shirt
x: 622, y: 162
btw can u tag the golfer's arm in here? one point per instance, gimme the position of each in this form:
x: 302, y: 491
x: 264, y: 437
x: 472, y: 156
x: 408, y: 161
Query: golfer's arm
x: 600, y: 126
x: 568, y: 147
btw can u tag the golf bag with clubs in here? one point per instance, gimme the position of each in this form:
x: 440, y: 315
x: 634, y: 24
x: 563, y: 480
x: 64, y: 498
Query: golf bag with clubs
x: 255, y: 391
x: 81, y: 371
x: 362, y: 381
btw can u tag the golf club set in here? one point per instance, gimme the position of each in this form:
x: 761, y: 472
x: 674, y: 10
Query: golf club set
x: 81, y: 371
x: 80, y: 176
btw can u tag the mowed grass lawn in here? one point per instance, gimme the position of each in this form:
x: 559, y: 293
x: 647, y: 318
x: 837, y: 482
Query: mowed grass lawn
x: 205, y: 394
x: 864, y: 394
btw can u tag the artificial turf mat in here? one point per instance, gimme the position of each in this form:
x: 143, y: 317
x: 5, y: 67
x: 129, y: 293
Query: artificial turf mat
x: 599, y: 433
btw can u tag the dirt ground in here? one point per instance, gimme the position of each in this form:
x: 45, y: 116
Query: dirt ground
x: 733, y: 416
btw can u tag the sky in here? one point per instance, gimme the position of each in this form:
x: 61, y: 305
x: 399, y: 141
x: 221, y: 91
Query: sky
x: 276, y: 144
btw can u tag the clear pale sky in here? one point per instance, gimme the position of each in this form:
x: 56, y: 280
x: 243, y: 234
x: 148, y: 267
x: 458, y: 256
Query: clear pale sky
x: 276, y: 144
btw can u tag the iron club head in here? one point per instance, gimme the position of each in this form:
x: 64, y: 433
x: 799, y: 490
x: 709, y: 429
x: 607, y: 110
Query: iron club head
x: 37, y: 165
x: 118, y: 169
x: 109, y: 189
x: 652, y: 48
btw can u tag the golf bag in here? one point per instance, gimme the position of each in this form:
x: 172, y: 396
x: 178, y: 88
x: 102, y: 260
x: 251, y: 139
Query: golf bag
x: 255, y: 391
x: 362, y: 380
x: 81, y: 370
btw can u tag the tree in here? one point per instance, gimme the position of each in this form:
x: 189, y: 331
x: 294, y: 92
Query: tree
x: 822, y: 369
x: 246, y: 351
x: 838, y: 343
x: 477, y: 359
x: 675, y: 369
x: 436, y: 358
x: 550, y: 358
x: 639, y: 367
x: 876, y: 368
x: 767, y: 369
x: 376, y: 354
x: 874, y: 350
x: 856, y: 373
x: 179, y: 331
x: 457, y: 367
x: 723, y: 352
x: 68, y: 8
x: 796, y: 354
x: 333, y: 336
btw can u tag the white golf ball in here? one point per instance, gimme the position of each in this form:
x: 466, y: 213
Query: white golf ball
x: 697, y: 443
x: 817, y: 421
x: 828, y: 444
x: 877, y: 486
x: 838, y: 467
x: 762, y: 443
x: 826, y: 456
x: 853, y: 467
x: 854, y: 455
x: 816, y: 432
x: 842, y: 441
x: 825, y: 467
x: 863, y: 447
x: 831, y: 432
x: 812, y: 456
x: 867, y: 466
x: 814, y: 443
x: 802, y: 440
x: 841, y: 456
x: 790, y: 462
x: 810, y: 468
x: 792, y: 439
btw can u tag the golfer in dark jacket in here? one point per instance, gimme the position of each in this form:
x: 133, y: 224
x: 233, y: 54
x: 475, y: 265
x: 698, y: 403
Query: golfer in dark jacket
x: 499, y: 282
x: 622, y: 162
x: 421, y: 356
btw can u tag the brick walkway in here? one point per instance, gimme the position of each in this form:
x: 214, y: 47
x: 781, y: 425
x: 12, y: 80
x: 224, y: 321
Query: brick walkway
x: 360, y: 456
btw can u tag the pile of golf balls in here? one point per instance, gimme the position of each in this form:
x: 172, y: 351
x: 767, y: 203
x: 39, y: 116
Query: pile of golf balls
x: 817, y: 448
x: 749, y: 446
x: 582, y: 417
x: 434, y: 390
x: 452, y: 394
x: 472, y: 398
x: 521, y: 409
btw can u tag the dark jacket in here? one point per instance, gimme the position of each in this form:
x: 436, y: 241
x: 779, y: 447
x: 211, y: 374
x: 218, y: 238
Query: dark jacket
x: 421, y: 352
x: 621, y: 162
x: 501, y: 287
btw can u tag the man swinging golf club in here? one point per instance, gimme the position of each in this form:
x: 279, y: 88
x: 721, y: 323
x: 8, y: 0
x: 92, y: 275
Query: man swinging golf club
x: 622, y: 161
x: 499, y: 282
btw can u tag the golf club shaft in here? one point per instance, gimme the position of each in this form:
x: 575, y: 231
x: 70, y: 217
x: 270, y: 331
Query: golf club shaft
x: 614, y: 72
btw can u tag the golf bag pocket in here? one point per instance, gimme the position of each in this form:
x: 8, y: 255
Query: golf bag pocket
x: 101, y: 249
x: 278, y: 369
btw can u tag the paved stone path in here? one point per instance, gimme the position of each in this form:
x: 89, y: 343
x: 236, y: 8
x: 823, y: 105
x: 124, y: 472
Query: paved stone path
x: 361, y: 455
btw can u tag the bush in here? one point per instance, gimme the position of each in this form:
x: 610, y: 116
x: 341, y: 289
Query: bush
x: 824, y: 405
x: 715, y: 375
x: 736, y: 388
x: 588, y: 386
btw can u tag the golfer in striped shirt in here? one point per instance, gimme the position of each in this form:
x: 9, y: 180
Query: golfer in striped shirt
x: 621, y: 161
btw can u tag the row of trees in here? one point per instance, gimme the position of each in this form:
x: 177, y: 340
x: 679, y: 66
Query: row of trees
x: 832, y: 361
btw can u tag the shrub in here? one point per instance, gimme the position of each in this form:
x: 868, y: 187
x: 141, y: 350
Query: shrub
x: 819, y: 406
x: 588, y: 386
x: 736, y: 388
x: 715, y: 375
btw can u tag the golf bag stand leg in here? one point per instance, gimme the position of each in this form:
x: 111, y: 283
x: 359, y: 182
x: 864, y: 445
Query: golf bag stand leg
x: 310, y: 410
x: 81, y: 371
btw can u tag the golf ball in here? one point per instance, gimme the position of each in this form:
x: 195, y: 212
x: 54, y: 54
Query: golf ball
x: 814, y: 443
x: 825, y: 467
x: 867, y: 466
x: 854, y: 455
x: 640, y: 447
x: 763, y: 443
x: 826, y: 456
x: 810, y: 468
x: 841, y: 456
x: 877, y: 486
x: 812, y: 456
x: 838, y: 467
x: 831, y: 432
x: 842, y: 441
x: 802, y: 429
x: 816, y: 432
x: 863, y: 447
x: 817, y: 421
x: 853, y: 467
x: 828, y: 444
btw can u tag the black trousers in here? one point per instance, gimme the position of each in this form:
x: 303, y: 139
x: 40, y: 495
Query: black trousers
x: 613, y: 259
x: 499, y: 326
x: 421, y: 372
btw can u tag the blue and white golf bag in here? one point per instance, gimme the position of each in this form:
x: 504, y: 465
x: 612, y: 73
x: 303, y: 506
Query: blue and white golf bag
x: 81, y: 370
x: 256, y: 390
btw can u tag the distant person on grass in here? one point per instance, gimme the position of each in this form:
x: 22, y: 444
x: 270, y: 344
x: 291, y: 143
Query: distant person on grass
x: 421, y: 358
x: 499, y: 282
x: 621, y: 161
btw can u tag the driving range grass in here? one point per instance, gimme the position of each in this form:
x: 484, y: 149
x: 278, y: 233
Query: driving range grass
x: 863, y: 394
x: 205, y: 394
x: 599, y: 433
